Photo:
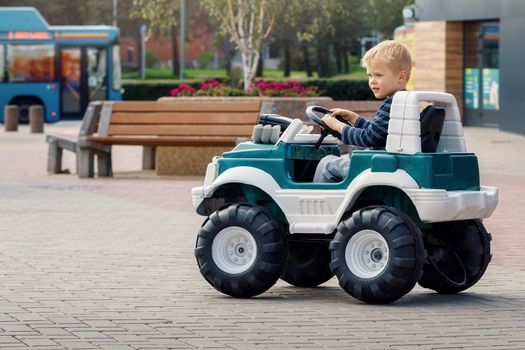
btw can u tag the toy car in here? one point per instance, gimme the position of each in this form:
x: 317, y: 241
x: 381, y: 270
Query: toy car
x: 410, y: 213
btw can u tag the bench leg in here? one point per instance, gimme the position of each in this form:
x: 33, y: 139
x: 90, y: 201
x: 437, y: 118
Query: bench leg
x: 85, y: 162
x: 148, y: 157
x: 54, y: 158
x: 104, y: 164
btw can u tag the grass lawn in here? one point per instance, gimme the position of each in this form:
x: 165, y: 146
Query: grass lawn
x: 158, y: 75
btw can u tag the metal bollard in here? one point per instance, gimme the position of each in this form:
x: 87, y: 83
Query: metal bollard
x: 11, y: 114
x: 36, y: 119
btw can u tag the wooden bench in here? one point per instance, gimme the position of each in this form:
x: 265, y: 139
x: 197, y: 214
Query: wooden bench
x: 151, y: 124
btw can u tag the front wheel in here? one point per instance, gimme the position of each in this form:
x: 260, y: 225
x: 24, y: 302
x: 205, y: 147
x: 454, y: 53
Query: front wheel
x: 377, y: 254
x: 240, y: 250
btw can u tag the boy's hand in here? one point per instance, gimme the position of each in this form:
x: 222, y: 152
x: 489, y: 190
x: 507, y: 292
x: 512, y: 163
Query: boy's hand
x: 333, y: 123
x: 349, y: 116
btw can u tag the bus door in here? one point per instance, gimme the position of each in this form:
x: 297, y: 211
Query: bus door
x: 83, y: 78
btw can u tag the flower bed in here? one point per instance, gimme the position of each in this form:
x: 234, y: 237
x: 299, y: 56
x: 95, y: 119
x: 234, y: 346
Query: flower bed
x: 213, y: 87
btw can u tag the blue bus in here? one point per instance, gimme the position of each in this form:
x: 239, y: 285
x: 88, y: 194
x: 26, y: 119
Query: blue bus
x: 62, y: 68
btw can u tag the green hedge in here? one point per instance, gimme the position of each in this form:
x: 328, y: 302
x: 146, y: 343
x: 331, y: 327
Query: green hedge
x: 343, y: 89
x: 336, y: 89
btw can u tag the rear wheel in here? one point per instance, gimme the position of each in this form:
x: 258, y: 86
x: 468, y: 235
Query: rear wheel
x: 377, y: 254
x: 308, y: 264
x: 23, y: 104
x: 458, y: 255
x: 240, y: 250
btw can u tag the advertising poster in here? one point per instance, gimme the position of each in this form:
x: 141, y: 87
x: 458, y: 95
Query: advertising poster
x: 491, y: 88
x: 471, y: 93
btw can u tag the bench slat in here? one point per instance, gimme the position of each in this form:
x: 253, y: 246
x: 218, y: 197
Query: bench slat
x: 167, y: 140
x: 218, y: 106
x: 184, y: 129
x: 185, y: 118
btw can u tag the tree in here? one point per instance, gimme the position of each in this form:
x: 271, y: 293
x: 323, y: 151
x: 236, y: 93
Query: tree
x: 67, y: 12
x: 304, y: 23
x: 248, y: 23
x: 162, y: 17
x: 385, y: 15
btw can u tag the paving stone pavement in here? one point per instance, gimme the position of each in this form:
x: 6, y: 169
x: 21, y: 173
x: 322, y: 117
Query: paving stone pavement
x: 108, y: 264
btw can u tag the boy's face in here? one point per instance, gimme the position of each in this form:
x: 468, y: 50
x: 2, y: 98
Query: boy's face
x: 383, y: 81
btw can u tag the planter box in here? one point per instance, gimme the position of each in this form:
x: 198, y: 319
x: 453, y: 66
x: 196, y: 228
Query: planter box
x: 292, y: 107
x: 193, y: 160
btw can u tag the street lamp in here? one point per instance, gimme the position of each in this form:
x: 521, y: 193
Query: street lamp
x: 115, y: 13
x: 409, y: 13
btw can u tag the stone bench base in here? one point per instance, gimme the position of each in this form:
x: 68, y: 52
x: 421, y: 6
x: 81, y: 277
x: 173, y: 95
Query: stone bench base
x: 186, y: 160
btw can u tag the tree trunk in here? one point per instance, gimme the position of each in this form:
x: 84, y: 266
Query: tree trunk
x: 306, y: 58
x: 260, y: 66
x: 249, y: 58
x: 287, y: 59
x: 321, y: 60
x: 175, y: 52
x: 338, y: 59
x: 246, y: 70
x: 228, y: 57
x: 346, y: 67
x: 138, y: 55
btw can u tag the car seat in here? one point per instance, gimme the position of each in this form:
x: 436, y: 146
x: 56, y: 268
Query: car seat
x: 432, y: 119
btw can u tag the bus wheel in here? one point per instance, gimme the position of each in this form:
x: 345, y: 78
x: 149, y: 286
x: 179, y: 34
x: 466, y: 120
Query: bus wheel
x: 23, y: 104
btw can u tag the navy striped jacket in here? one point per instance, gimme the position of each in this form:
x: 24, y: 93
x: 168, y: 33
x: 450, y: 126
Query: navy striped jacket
x: 369, y: 134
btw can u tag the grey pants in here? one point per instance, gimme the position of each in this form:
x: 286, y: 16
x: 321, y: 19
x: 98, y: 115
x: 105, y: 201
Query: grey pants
x: 332, y: 169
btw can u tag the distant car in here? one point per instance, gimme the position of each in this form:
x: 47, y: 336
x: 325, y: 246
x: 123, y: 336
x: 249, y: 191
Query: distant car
x: 409, y: 214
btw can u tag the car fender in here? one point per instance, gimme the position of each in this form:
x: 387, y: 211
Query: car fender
x: 245, y: 175
x: 399, y: 179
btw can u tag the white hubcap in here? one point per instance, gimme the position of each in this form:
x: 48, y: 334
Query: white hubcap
x: 367, y: 254
x: 234, y: 250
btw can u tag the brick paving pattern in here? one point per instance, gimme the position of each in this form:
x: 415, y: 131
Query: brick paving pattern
x: 108, y: 264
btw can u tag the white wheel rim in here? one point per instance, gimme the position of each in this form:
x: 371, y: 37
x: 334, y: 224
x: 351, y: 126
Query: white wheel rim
x: 234, y: 250
x: 367, y: 254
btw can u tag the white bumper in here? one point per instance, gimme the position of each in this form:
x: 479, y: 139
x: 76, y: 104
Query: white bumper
x: 198, y: 193
x: 442, y: 205
x: 197, y: 196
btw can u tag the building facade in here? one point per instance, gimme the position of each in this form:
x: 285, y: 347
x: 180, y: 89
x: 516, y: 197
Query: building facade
x: 474, y: 49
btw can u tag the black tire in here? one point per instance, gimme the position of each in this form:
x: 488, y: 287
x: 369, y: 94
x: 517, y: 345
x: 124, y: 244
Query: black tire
x: 308, y: 264
x: 385, y: 258
x: 256, y: 229
x: 458, y: 255
x: 23, y: 104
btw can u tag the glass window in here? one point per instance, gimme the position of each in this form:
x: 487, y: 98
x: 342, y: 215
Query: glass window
x: 481, y: 74
x: 97, y: 73
x: 117, y: 75
x: 2, y: 63
x: 71, y: 78
x: 490, y: 45
x: 31, y: 62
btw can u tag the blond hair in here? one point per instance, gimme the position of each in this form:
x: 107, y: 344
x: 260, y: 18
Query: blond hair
x: 393, y: 54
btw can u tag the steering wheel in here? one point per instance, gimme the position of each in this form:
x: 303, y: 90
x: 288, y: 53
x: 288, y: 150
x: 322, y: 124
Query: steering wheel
x: 313, y: 113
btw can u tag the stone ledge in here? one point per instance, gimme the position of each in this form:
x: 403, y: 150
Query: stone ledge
x: 292, y: 107
x: 186, y: 160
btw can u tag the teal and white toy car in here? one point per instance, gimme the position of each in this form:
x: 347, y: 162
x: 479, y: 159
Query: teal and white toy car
x: 409, y: 214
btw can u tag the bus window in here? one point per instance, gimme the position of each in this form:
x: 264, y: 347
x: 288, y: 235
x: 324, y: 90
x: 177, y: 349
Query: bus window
x: 97, y: 73
x: 117, y: 75
x: 2, y: 63
x: 70, y: 78
x: 31, y: 63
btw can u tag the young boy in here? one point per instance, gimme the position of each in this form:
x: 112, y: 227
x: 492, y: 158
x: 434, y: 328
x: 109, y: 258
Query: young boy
x: 388, y: 66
